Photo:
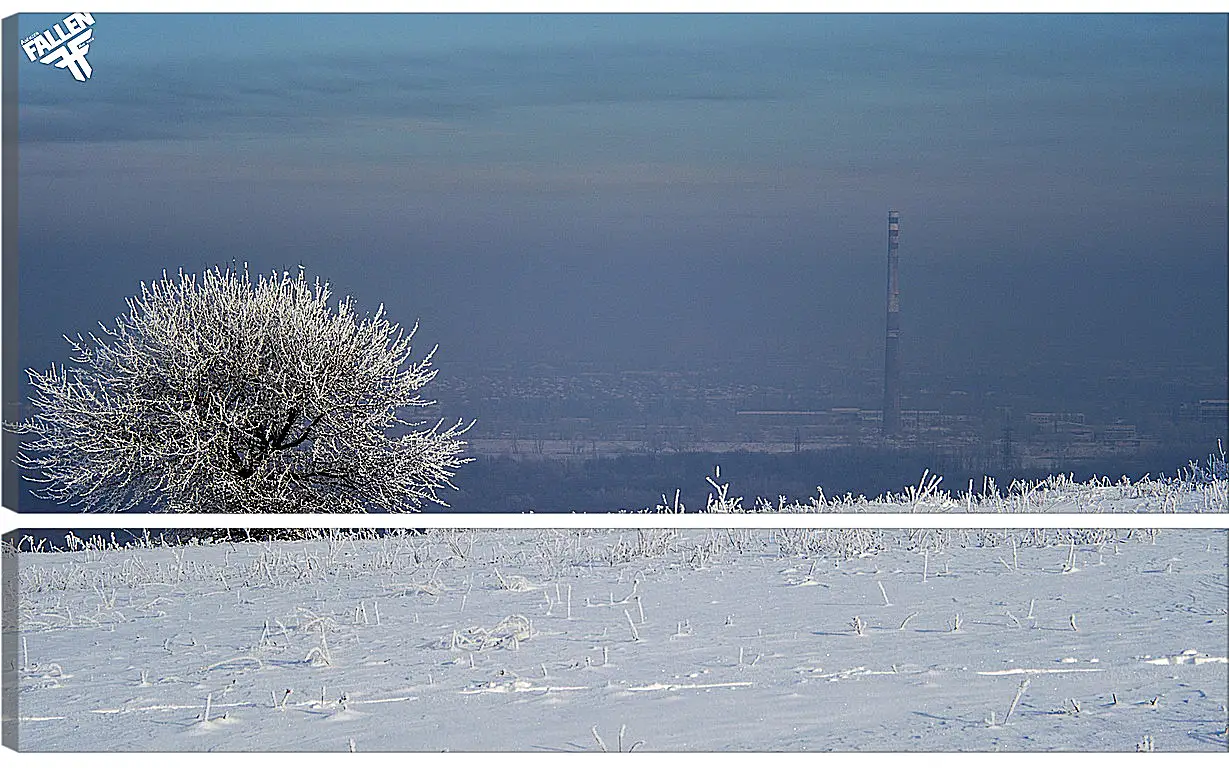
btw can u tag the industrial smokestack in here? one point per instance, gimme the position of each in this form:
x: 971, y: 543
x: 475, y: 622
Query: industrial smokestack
x: 891, y: 365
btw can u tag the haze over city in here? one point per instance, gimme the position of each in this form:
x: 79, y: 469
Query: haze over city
x: 686, y: 194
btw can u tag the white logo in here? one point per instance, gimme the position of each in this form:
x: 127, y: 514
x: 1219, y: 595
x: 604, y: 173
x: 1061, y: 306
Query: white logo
x: 64, y: 45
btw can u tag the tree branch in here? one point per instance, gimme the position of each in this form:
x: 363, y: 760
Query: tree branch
x: 307, y: 431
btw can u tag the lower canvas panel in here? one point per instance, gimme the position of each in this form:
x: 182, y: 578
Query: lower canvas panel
x: 632, y: 639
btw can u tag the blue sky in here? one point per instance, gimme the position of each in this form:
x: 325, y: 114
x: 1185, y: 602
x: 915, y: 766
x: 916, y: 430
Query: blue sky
x: 650, y: 189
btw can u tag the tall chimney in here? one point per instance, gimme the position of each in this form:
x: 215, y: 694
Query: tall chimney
x: 891, y: 365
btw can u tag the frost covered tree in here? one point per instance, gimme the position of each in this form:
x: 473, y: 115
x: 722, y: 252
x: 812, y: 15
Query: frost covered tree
x: 220, y: 394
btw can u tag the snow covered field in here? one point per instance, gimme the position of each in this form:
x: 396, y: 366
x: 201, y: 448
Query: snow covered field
x: 652, y: 640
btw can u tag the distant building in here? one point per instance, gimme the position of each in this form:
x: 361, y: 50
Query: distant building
x: 1215, y: 411
x: 918, y: 420
x: 1042, y: 419
x: 1119, y: 434
x: 1077, y: 433
x: 1048, y: 421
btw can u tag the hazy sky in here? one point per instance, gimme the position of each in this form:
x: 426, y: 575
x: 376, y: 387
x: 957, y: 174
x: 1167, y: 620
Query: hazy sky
x: 652, y: 190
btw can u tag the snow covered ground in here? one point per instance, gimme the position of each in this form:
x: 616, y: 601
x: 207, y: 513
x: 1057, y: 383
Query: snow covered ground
x: 652, y: 640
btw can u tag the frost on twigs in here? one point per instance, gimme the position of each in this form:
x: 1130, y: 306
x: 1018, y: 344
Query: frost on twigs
x: 217, y: 393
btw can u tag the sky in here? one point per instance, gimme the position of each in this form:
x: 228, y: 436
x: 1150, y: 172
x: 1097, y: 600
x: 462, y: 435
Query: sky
x: 649, y: 191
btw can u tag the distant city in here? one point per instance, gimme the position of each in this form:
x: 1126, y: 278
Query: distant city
x: 597, y: 438
x: 1013, y: 418
x: 1023, y: 419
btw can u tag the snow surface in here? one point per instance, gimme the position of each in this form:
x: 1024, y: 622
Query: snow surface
x: 561, y: 640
